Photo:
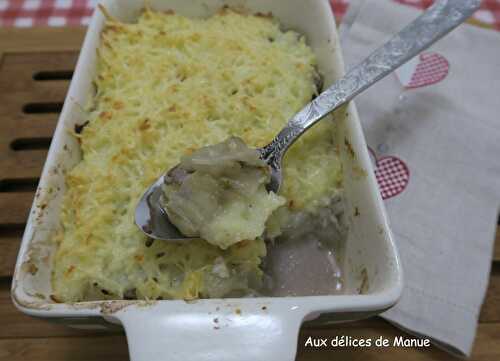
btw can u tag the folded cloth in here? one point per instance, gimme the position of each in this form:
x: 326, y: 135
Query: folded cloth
x: 434, y: 133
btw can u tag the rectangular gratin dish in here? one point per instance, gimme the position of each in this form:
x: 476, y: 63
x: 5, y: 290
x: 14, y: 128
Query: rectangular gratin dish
x: 242, y: 329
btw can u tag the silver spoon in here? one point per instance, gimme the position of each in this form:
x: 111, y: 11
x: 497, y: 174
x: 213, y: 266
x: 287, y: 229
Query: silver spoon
x: 429, y: 27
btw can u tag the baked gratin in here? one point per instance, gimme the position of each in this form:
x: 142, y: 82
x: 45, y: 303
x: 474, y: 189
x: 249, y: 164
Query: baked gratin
x: 166, y: 86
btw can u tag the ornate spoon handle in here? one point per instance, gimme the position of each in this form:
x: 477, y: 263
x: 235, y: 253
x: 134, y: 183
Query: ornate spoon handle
x: 432, y: 25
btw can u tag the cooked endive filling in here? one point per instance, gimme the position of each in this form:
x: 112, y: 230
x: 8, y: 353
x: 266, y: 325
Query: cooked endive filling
x: 165, y: 87
x: 219, y: 194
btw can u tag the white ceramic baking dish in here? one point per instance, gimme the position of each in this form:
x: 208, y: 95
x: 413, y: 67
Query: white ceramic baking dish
x: 217, y: 329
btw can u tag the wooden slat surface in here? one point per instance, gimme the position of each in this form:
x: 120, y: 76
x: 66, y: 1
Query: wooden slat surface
x: 105, y: 348
x: 490, y: 311
x: 9, y: 246
x: 25, y: 129
x: 15, y: 207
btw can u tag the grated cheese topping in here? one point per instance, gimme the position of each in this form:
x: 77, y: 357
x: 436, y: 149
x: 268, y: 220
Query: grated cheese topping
x: 166, y: 86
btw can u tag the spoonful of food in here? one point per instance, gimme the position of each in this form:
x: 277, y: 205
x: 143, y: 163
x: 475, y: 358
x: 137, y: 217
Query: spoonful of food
x: 219, y: 180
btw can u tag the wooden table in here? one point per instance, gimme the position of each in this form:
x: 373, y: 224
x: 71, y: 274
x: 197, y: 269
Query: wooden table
x: 35, y: 69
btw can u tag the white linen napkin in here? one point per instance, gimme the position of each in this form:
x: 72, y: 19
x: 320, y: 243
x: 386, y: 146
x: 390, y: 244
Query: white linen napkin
x: 437, y: 148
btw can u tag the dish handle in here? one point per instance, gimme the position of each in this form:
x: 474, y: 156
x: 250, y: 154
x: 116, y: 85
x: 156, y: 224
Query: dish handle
x: 204, y: 332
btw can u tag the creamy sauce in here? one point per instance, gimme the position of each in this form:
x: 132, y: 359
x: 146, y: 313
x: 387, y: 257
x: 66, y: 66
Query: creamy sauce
x: 306, y: 259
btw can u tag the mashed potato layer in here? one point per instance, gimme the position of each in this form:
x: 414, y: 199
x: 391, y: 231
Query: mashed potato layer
x: 166, y: 86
